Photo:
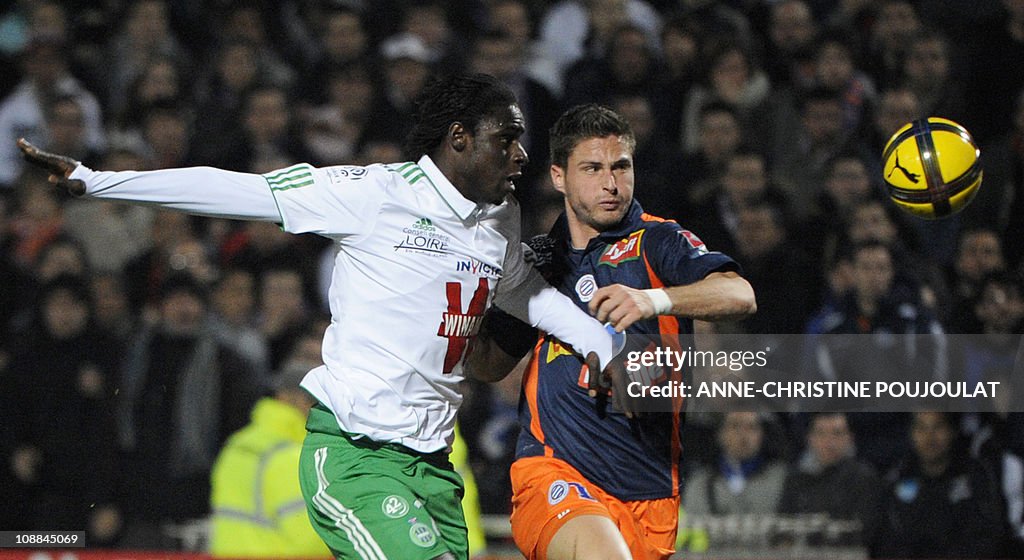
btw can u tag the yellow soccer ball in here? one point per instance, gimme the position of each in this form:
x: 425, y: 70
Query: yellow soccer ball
x: 931, y: 168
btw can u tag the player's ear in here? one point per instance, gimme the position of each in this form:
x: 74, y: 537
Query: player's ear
x: 458, y: 136
x: 558, y: 178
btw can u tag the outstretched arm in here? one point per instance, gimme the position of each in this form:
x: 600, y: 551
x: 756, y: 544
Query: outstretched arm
x: 204, y: 191
x: 719, y: 296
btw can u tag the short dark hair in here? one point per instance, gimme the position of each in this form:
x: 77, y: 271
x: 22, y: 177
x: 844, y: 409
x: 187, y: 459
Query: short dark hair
x: 468, y: 99
x: 586, y: 121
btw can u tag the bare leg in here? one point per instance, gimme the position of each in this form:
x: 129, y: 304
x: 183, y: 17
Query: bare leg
x: 588, y: 537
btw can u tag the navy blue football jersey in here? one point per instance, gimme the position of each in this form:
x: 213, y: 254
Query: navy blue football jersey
x: 630, y: 459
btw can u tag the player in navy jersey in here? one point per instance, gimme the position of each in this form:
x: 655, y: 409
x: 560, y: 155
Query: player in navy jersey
x: 588, y: 482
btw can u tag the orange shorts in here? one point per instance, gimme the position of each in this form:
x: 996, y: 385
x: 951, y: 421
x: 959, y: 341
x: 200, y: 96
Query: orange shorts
x: 548, y: 492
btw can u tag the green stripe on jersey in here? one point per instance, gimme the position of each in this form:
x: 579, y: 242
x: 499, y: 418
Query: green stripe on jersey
x: 300, y: 175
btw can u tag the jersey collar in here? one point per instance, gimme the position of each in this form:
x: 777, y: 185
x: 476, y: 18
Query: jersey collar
x: 628, y: 225
x: 462, y: 206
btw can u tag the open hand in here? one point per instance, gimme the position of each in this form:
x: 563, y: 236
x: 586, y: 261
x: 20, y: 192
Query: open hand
x: 60, y: 167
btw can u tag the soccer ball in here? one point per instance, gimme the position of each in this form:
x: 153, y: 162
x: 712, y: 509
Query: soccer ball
x: 931, y: 168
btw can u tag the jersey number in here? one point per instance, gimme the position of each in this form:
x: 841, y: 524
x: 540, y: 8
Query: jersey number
x: 458, y: 326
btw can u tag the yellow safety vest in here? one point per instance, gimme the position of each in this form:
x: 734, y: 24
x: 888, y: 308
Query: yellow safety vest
x: 470, y: 500
x: 258, y: 508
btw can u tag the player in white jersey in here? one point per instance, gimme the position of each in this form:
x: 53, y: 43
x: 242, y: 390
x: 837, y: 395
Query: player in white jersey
x: 425, y: 248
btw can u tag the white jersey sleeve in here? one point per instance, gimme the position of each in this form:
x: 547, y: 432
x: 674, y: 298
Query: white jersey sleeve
x: 524, y: 294
x: 335, y: 201
x: 205, y: 191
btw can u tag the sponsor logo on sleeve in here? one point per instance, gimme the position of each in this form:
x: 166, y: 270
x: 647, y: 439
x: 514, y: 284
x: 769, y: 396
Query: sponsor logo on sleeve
x: 694, y: 242
x: 342, y: 173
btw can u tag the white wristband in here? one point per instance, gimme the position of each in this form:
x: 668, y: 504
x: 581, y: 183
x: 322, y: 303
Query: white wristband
x: 659, y: 298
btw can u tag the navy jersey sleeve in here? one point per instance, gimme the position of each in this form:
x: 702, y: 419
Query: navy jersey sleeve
x: 678, y: 257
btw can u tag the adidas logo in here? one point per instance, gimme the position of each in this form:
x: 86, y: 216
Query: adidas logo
x: 423, y: 224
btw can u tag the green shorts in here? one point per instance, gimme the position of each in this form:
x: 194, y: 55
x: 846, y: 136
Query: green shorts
x: 372, y: 501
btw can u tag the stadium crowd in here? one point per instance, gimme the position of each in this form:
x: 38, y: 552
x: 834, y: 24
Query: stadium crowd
x: 134, y: 342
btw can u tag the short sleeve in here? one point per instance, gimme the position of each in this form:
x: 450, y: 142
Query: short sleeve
x: 679, y: 257
x: 336, y: 201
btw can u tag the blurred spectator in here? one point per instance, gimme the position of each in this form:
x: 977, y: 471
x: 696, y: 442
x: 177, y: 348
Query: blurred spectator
x: 829, y: 479
x: 803, y: 152
x: 427, y: 20
x: 406, y: 70
x: 979, y: 253
x: 896, y: 23
x: 146, y: 272
x: 733, y: 77
x: 166, y: 129
x: 570, y: 30
x: 283, y: 313
x: 64, y: 375
x: 940, y: 503
x: 262, y: 246
x: 258, y: 509
x: 627, y: 66
x: 747, y: 477
x: 233, y: 316
x: 929, y: 71
x: 111, y: 233
x: 787, y: 284
x: 36, y: 220
x: 22, y: 113
x: 145, y: 35
x: 161, y: 83
x: 65, y: 122
x: 112, y: 314
x: 267, y: 136
x: 334, y: 131
x: 743, y: 183
x: 718, y: 139
x: 792, y: 31
x: 181, y: 394
x: 61, y: 256
x: 343, y: 42
x: 233, y: 71
x: 874, y: 220
x: 836, y: 70
x: 250, y: 22
x: 681, y: 45
x: 515, y: 19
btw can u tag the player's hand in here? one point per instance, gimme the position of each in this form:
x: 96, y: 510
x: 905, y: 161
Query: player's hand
x: 613, y: 381
x: 621, y: 306
x: 59, y: 167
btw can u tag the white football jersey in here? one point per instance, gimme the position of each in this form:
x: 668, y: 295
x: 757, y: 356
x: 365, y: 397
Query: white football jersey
x: 417, y: 268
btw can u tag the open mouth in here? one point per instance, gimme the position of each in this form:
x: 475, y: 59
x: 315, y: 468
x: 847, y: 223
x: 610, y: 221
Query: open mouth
x: 510, y: 181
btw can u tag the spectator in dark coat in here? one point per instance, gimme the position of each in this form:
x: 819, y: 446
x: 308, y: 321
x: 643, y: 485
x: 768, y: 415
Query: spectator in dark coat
x: 829, y: 479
